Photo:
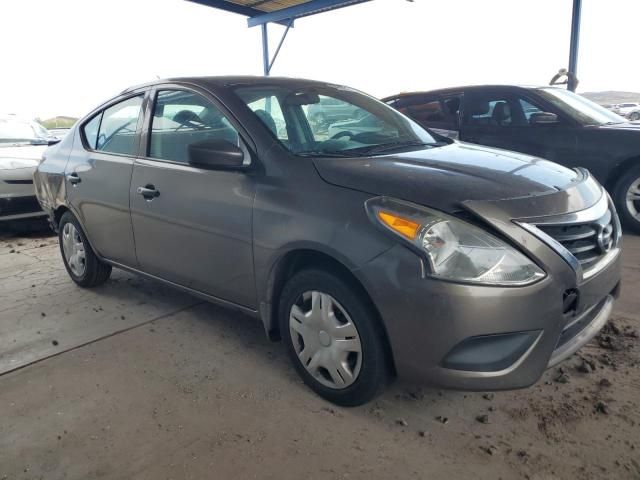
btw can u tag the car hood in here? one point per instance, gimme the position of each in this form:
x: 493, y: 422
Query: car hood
x: 443, y: 177
x: 21, y: 157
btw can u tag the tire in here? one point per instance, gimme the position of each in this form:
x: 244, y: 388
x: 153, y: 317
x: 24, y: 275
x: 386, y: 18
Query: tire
x: 629, y: 211
x: 634, y: 116
x: 365, y: 374
x: 86, y: 269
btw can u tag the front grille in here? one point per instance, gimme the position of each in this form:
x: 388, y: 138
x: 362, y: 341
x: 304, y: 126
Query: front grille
x: 588, y: 241
x: 18, y: 205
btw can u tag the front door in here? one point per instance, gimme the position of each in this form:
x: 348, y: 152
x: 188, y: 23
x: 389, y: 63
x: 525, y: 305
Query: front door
x: 503, y: 120
x: 192, y: 226
x: 98, y: 176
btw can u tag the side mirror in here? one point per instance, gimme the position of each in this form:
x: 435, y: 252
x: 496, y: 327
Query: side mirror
x: 215, y: 154
x: 543, y: 118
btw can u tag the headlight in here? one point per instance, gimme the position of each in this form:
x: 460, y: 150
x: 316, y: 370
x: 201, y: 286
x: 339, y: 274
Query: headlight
x: 456, y: 250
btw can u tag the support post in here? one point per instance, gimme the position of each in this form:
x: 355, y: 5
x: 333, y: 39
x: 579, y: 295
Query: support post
x: 265, y: 50
x: 573, y: 47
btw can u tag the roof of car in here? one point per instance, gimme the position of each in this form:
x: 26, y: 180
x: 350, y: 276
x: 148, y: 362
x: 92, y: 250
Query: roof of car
x: 464, y: 88
x: 223, y: 81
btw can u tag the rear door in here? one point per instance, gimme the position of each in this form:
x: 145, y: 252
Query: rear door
x: 98, y: 175
x: 196, y: 230
x: 501, y: 118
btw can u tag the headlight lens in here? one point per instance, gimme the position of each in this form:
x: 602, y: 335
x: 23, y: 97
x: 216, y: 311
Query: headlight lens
x: 455, y: 249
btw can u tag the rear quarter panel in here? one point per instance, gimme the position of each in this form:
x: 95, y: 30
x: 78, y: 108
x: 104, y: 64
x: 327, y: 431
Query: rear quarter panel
x: 49, y: 177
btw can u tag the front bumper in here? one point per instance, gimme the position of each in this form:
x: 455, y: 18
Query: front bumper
x: 20, y: 207
x: 17, y: 195
x: 427, y: 319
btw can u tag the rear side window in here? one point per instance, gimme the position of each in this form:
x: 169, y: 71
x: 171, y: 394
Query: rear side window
x: 91, y: 131
x: 118, y: 127
x: 182, y: 118
x: 424, y: 111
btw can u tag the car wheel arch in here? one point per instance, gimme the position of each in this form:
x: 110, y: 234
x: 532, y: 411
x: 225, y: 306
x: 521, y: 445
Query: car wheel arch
x: 621, y: 167
x: 57, y: 215
x: 306, y: 258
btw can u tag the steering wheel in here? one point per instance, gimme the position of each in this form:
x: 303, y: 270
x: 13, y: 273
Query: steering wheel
x: 344, y: 133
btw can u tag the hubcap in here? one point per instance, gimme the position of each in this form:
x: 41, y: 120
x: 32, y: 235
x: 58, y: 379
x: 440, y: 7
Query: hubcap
x: 73, y: 249
x: 633, y: 199
x: 325, y: 339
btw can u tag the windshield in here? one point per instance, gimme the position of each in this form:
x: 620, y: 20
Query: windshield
x: 332, y: 121
x: 13, y: 131
x: 579, y: 108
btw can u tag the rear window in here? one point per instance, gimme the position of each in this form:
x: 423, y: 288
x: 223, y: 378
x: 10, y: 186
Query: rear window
x: 114, y: 129
x: 90, y: 131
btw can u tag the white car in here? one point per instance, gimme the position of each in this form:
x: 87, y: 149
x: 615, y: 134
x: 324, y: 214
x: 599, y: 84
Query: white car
x: 22, y: 145
x: 634, y: 115
x: 625, y: 109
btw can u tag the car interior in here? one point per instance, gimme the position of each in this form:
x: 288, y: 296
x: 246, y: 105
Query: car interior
x: 501, y: 112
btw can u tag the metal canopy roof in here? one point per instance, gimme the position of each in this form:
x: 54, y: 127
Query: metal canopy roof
x: 277, y: 11
x: 284, y: 12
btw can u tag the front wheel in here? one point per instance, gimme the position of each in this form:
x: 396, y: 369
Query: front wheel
x: 634, y: 116
x: 333, y: 339
x: 627, y: 199
x: 82, y: 264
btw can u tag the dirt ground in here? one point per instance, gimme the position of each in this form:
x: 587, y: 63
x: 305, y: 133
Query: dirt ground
x: 135, y: 381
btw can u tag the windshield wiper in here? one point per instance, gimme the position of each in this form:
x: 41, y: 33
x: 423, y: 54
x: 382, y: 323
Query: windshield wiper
x: 385, y: 147
x: 321, y: 153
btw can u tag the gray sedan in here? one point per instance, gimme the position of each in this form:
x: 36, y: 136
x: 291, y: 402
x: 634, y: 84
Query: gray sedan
x: 384, y: 252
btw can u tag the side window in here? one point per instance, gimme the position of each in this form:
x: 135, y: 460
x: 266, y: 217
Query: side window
x: 90, y: 130
x: 269, y: 111
x: 528, y: 108
x: 118, y: 127
x: 452, y: 107
x: 181, y: 118
x: 425, y: 110
x: 492, y: 109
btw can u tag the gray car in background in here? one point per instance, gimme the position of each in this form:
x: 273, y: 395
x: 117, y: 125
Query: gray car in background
x: 370, y: 253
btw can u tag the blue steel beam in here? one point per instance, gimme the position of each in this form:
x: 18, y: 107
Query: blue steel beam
x: 575, y: 43
x: 265, y: 50
x: 302, y: 10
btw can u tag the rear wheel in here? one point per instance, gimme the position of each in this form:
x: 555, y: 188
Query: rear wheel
x: 333, y: 338
x: 634, y: 116
x: 83, y: 266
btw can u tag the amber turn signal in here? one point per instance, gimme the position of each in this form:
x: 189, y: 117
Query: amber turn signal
x: 404, y: 227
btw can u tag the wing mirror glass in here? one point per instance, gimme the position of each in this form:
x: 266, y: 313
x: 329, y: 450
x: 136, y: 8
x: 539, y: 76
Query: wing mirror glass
x: 543, y: 118
x: 216, y: 154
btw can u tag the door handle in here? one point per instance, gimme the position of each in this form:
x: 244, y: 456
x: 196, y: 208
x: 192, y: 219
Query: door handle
x: 74, y: 178
x: 149, y: 192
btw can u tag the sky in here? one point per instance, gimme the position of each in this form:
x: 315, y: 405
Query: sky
x: 64, y: 57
